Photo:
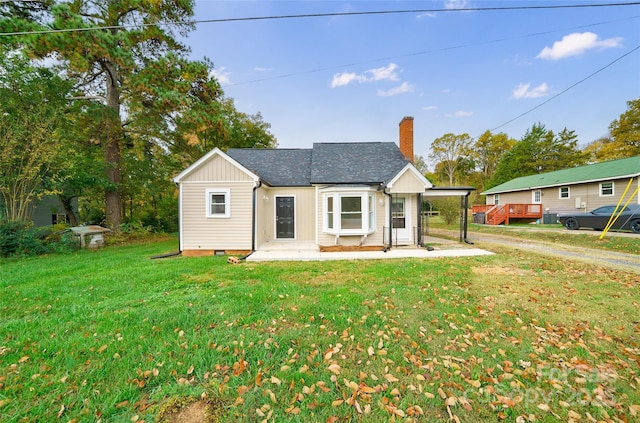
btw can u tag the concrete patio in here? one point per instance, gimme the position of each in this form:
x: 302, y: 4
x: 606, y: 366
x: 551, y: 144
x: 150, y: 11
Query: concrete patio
x: 283, y: 251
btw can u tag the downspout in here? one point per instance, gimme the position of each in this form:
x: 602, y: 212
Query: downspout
x: 419, y: 240
x: 466, y: 216
x: 179, y: 186
x: 390, y: 202
x: 254, y: 215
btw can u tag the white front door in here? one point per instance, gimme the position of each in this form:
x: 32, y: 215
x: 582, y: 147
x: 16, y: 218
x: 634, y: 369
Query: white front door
x: 401, y: 218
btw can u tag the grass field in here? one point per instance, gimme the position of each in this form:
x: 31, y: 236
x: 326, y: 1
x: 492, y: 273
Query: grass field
x: 114, y: 336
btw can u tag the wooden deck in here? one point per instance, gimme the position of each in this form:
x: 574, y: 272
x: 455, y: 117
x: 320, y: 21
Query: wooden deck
x: 502, y: 213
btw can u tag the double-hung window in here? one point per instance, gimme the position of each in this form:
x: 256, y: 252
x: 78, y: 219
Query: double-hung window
x: 606, y: 189
x: 218, y: 204
x: 348, y: 212
x: 564, y: 192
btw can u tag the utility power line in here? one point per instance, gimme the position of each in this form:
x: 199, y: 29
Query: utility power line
x: 569, y: 87
x: 320, y: 15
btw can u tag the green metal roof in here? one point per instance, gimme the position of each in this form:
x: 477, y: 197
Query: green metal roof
x: 614, y: 169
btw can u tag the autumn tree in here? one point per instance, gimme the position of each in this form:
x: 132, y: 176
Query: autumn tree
x: 119, y: 53
x: 486, y: 151
x: 624, y: 139
x: 33, y: 120
x: 449, y: 152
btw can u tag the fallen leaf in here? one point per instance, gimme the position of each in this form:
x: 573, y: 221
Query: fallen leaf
x: 391, y: 378
x: 276, y: 381
x: 544, y: 407
x: 334, y: 368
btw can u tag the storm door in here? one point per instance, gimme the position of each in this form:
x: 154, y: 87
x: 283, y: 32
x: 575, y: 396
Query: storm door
x: 285, y: 217
x: 400, y: 218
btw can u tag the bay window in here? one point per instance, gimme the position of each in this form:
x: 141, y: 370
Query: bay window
x: 348, y: 212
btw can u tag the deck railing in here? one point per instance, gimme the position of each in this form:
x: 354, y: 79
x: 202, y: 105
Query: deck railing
x: 495, y: 214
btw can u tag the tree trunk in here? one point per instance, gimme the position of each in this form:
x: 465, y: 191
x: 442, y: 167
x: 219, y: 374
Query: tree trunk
x: 68, y: 209
x: 112, y: 148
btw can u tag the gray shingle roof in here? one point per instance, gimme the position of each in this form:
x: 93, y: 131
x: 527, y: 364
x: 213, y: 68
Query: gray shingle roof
x: 276, y: 167
x: 356, y: 163
x: 326, y: 163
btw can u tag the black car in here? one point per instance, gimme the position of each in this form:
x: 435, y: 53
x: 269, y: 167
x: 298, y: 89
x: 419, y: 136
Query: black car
x: 598, y: 218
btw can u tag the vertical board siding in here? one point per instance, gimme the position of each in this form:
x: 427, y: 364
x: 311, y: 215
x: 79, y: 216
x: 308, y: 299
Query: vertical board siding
x: 217, y: 169
x: 407, y: 183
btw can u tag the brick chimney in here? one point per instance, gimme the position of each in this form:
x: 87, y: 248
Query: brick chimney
x: 406, y: 137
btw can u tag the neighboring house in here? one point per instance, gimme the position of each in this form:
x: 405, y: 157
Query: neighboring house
x: 584, y: 187
x: 48, y: 211
x: 335, y: 195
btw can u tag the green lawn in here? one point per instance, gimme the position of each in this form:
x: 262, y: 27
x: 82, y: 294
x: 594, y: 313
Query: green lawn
x: 114, y: 336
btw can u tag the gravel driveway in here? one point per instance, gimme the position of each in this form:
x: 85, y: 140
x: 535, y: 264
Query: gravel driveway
x: 611, y: 259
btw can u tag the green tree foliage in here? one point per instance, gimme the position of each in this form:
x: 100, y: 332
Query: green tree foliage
x: 539, y: 151
x: 448, y: 153
x: 625, y: 136
x: 33, y: 121
x: 152, y: 96
x: 486, y: 151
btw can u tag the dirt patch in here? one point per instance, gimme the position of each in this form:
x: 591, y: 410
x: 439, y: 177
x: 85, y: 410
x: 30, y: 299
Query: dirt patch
x: 193, y: 412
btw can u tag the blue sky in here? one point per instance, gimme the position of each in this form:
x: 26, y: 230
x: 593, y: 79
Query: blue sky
x: 353, y: 78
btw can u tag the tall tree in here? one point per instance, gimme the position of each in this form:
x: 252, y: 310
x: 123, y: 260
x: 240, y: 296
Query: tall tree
x: 448, y: 151
x: 121, y: 54
x: 487, y: 151
x: 539, y: 151
x: 33, y: 118
x: 624, y: 139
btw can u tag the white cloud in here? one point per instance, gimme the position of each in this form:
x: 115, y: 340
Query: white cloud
x: 460, y: 113
x: 260, y: 69
x: 576, y: 44
x: 525, y: 91
x: 222, y: 75
x: 425, y: 108
x: 456, y: 4
x: 377, y: 74
x: 405, y: 87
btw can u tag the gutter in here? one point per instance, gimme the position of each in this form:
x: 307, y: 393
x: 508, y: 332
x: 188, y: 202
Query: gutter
x: 253, y: 221
x: 384, y: 191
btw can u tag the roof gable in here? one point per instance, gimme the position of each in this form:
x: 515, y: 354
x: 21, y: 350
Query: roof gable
x: 614, y: 169
x: 370, y: 163
x: 409, y: 179
x: 202, y: 161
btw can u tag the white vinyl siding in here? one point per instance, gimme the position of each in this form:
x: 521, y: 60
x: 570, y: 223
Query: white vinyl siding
x: 200, y: 232
x: 218, y: 203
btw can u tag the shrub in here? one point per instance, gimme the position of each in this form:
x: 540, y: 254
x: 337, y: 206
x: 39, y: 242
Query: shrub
x: 20, y: 239
x: 449, y: 208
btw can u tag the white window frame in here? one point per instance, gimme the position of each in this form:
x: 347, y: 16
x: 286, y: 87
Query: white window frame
x: 568, y: 196
x: 613, y: 190
x: 227, y: 203
x: 496, y: 199
x: 534, y: 194
x: 367, y: 212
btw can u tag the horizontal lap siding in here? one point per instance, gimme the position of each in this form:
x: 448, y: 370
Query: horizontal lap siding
x: 202, y: 233
x: 305, y: 212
